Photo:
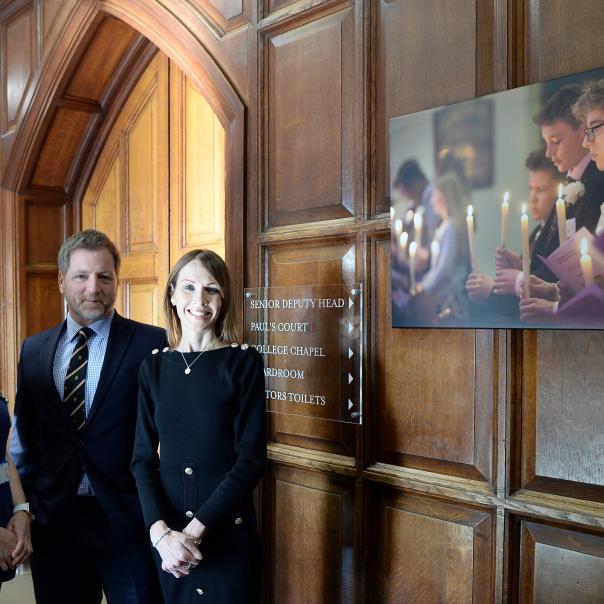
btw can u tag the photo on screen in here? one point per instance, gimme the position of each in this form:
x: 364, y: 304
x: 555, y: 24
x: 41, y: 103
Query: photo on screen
x: 497, y: 210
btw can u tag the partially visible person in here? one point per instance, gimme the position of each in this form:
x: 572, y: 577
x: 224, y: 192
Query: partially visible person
x: 202, y: 404
x: 15, y: 517
x: 445, y: 280
x: 75, y: 419
x: 544, y: 181
x: 563, y: 134
x: 414, y: 194
x: 589, y: 110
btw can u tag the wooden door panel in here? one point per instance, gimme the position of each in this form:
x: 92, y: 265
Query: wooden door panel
x: 18, y: 52
x: 41, y: 291
x: 423, y: 550
x: 434, y: 409
x: 102, y: 212
x: 46, y: 223
x: 197, y: 156
x: 60, y: 145
x: 312, y: 527
x: 141, y: 146
x: 104, y: 53
x: 563, y: 422
x: 426, y: 55
x: 128, y: 194
x: 310, y: 81
x: 559, y: 565
x: 312, y: 264
x: 562, y: 38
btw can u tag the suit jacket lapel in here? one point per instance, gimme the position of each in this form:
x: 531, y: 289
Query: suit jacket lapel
x: 120, y: 335
x: 47, y: 359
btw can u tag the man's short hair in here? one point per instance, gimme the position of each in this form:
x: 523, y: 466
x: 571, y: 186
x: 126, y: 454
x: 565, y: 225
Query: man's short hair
x: 538, y: 161
x: 89, y: 239
x: 559, y: 107
x: 408, y: 174
x: 591, y: 99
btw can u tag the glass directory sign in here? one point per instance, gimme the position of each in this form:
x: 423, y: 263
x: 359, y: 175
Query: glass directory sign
x: 310, y: 338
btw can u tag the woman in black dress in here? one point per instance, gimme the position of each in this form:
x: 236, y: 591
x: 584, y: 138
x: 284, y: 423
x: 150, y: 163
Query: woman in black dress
x: 201, y: 405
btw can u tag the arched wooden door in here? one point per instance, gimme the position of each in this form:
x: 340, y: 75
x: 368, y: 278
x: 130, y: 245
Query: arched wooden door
x: 158, y: 187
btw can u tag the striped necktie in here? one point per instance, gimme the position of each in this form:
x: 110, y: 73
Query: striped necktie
x: 75, y: 380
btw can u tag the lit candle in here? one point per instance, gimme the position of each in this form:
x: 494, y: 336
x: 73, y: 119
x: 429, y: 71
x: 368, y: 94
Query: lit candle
x: 402, y: 246
x: 561, y: 214
x: 391, y: 212
x: 526, y: 257
x: 398, y: 227
x: 434, y: 252
x: 586, y: 264
x: 418, y: 221
x: 403, y: 240
x: 505, y: 211
x: 412, y: 252
x: 470, y: 223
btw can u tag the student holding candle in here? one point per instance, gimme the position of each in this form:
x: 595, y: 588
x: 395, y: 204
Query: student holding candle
x: 446, y: 278
x: 414, y: 191
x: 543, y: 240
x: 564, y: 133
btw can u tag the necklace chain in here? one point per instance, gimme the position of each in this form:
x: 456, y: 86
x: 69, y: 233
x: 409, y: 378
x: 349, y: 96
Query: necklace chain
x: 189, y: 365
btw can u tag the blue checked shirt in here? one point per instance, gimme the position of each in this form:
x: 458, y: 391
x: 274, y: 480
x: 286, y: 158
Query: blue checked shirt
x: 97, y: 345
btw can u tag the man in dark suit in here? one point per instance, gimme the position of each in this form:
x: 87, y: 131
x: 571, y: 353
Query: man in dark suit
x: 75, y: 415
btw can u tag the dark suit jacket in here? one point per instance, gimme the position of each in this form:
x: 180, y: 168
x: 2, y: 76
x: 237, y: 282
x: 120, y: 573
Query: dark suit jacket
x: 586, y: 210
x: 53, y: 455
x: 545, y: 244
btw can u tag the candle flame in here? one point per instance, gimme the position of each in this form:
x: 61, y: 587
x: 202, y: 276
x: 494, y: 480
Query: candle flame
x: 417, y: 220
x: 524, y: 208
x: 409, y: 216
x: 391, y: 212
x: 506, y: 197
x: 470, y: 211
x: 584, y: 246
x: 412, y: 248
x: 398, y: 226
x: 403, y: 239
x: 560, y: 190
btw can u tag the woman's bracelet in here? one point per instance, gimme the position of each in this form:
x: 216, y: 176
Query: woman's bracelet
x: 166, y: 531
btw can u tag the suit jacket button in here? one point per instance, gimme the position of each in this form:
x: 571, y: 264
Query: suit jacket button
x: 239, y: 520
x: 188, y: 471
x: 199, y: 591
x: 189, y: 514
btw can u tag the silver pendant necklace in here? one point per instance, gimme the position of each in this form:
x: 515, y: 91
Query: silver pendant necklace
x: 189, y: 365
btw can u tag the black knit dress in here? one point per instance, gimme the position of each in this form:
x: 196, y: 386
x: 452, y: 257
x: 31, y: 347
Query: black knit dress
x: 210, y: 427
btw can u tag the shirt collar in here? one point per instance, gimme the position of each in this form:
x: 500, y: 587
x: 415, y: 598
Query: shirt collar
x: 577, y: 172
x: 100, y: 327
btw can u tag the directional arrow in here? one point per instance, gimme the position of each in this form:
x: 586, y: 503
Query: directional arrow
x: 350, y: 353
x: 350, y: 378
x: 350, y: 405
x: 349, y: 327
x: 350, y: 303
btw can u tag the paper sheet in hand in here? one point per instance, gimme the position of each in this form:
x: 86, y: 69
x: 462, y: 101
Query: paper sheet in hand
x: 565, y: 262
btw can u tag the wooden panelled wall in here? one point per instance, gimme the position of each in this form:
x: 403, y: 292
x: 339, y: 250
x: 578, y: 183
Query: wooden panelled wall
x: 477, y: 474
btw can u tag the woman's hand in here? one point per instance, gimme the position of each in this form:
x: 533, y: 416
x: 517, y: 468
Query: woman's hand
x: 178, y: 552
x: 8, y: 542
x: 20, y: 524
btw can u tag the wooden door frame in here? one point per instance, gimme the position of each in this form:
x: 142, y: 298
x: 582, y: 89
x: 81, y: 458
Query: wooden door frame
x: 165, y: 29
